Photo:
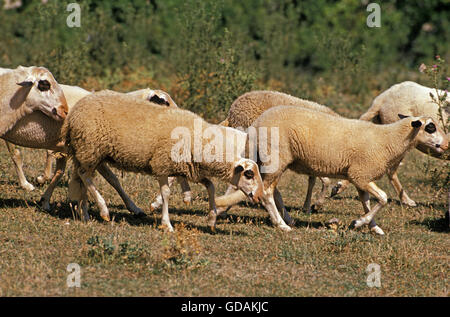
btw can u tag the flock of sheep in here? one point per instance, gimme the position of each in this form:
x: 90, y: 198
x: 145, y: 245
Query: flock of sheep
x: 138, y: 131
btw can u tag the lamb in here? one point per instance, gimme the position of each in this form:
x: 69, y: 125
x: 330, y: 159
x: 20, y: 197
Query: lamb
x: 408, y: 98
x: 356, y: 150
x: 108, y: 127
x: 248, y: 107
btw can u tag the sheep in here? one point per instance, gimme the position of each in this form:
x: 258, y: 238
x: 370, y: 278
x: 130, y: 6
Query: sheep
x: 38, y: 131
x: 248, y: 107
x: 108, y: 127
x: 38, y: 89
x: 319, y: 144
x: 408, y: 98
x: 27, y: 89
x: 25, y: 130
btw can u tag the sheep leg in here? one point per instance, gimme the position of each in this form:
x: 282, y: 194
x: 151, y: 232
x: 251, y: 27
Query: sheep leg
x: 48, y: 168
x: 268, y: 202
x: 186, y: 189
x: 368, y: 218
x: 281, y: 208
x: 448, y: 211
x: 165, y: 193
x: 404, y: 198
x: 320, y: 198
x: 159, y: 200
x: 307, y: 203
x: 60, y: 168
x: 112, y: 179
x: 18, y: 165
x: 86, y: 178
x: 212, y: 203
x: 83, y: 204
x: 339, y: 187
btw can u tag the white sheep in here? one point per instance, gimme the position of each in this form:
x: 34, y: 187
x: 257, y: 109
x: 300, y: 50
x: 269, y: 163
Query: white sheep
x: 109, y: 127
x: 38, y: 131
x: 318, y: 144
x: 407, y: 98
x: 249, y: 106
x: 25, y: 90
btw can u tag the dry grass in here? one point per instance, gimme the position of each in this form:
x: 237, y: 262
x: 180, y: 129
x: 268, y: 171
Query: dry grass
x: 247, y: 256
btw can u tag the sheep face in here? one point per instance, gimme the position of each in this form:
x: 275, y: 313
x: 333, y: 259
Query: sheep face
x: 44, y: 93
x: 247, y: 178
x: 430, y: 137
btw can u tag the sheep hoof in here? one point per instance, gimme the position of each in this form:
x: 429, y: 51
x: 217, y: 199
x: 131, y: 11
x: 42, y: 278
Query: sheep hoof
x: 288, y: 219
x: 41, y: 180
x: 139, y: 214
x: 153, y: 208
x: 223, y: 215
x: 377, y: 230
x: 187, y: 202
x: 105, y: 217
x: 312, y: 210
x: 409, y: 202
x: 212, y: 229
x: 285, y: 228
x: 212, y: 218
x: 28, y: 187
x: 45, y: 205
x: 335, y: 189
x: 167, y: 227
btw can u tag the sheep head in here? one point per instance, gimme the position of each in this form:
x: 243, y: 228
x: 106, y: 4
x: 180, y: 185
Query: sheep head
x: 247, y: 178
x: 43, y: 92
x: 430, y: 137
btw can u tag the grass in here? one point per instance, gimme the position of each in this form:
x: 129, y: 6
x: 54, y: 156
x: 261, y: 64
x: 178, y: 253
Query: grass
x: 247, y: 256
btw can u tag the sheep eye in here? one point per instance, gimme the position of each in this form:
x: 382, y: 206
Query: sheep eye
x: 430, y: 128
x: 43, y: 85
x: 249, y: 174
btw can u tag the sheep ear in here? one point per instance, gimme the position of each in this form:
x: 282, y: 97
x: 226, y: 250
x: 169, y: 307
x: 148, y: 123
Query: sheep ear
x: 236, y: 175
x: 416, y: 124
x: 28, y: 82
x: 401, y: 116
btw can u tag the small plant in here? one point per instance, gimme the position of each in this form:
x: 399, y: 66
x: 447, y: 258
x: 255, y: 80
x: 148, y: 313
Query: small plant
x: 182, y: 250
x: 441, y: 84
x: 108, y: 250
x: 440, y: 177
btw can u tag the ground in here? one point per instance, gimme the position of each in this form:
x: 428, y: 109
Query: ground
x: 246, y: 257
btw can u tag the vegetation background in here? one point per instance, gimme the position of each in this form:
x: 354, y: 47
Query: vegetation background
x: 205, y: 54
x: 208, y: 52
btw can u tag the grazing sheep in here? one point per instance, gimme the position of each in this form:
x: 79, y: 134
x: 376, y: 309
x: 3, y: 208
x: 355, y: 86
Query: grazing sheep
x: 407, y: 98
x: 248, y: 107
x: 318, y: 144
x: 109, y: 127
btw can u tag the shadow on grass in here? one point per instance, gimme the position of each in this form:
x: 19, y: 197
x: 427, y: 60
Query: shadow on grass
x: 434, y: 224
x: 15, y: 203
